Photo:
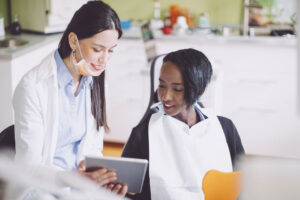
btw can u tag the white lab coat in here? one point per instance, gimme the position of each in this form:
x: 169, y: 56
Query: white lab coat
x: 36, y: 118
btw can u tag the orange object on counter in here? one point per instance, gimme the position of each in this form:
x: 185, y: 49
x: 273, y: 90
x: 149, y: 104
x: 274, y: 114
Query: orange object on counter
x: 174, y: 13
x: 187, y: 13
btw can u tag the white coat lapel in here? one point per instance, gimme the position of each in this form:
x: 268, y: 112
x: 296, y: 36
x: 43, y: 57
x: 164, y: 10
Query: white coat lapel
x: 92, y: 143
x: 48, y: 95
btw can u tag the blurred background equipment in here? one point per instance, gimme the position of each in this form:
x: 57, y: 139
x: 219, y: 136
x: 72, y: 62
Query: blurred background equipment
x: 266, y: 16
x: 15, y: 27
x: 2, y: 31
x: 45, y: 16
x: 149, y: 43
x: 181, y: 26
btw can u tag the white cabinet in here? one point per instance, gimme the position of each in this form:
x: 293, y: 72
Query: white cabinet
x: 260, y: 96
x: 127, y: 91
x: 12, y: 70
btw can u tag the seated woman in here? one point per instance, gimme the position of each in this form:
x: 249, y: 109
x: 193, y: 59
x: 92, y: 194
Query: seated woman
x: 181, y: 140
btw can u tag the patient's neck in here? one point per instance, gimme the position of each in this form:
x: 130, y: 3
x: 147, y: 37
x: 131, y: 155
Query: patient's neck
x: 188, y: 116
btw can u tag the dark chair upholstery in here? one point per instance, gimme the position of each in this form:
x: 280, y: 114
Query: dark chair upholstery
x: 155, y: 68
x: 7, y: 138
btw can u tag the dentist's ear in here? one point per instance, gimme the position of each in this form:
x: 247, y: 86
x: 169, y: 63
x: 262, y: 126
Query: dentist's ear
x: 72, y: 40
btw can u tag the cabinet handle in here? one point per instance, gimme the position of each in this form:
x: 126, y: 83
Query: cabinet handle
x: 257, y: 81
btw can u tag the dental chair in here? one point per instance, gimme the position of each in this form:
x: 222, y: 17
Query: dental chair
x: 218, y: 185
x: 154, y: 74
x: 7, y: 138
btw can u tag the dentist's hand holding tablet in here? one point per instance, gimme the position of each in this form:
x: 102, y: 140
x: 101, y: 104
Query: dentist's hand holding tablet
x: 104, y: 177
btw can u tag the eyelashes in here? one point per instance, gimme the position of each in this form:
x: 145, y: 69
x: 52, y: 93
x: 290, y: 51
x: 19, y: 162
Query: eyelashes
x: 175, y: 89
x: 99, y: 50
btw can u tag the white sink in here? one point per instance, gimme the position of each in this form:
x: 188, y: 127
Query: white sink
x: 12, y: 42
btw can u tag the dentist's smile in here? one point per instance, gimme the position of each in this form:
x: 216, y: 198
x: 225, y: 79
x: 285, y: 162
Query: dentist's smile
x: 98, y: 67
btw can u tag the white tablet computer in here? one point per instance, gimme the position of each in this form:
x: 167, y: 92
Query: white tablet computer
x: 130, y: 171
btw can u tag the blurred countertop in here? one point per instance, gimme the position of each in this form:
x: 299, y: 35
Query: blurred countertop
x: 195, y: 36
x: 268, y: 40
x: 37, y: 40
x: 34, y: 41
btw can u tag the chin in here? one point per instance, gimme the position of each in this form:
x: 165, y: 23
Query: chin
x: 170, y: 113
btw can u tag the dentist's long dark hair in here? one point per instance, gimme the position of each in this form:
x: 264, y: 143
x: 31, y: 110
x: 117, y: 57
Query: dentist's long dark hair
x: 92, y: 18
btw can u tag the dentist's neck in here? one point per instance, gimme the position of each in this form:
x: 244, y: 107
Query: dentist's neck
x: 72, y: 70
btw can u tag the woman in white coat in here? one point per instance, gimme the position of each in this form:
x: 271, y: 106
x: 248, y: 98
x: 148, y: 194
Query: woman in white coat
x: 181, y: 140
x: 60, y: 114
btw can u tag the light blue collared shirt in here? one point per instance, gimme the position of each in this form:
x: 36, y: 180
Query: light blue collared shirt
x: 72, y: 116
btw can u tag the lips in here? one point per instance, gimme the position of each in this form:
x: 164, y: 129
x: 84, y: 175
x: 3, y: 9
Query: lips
x: 168, y: 107
x: 98, y: 67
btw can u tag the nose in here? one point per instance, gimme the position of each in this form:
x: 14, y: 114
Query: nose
x: 104, y: 57
x: 166, y: 95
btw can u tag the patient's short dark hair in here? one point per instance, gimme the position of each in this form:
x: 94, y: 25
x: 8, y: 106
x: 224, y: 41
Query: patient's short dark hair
x: 196, y: 72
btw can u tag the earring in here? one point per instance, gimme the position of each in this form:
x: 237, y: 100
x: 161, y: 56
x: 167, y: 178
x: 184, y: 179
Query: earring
x: 73, y: 53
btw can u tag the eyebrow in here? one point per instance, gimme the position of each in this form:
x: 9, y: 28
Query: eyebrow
x: 172, y: 83
x: 100, y: 45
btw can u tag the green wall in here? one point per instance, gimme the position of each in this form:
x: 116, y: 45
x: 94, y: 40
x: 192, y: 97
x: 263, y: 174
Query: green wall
x: 220, y: 11
x: 3, y: 11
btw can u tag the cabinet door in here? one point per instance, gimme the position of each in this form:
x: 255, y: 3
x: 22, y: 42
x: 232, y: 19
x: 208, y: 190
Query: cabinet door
x: 259, y: 95
x: 127, y: 89
x: 61, y: 11
x: 21, y: 65
x: 6, y: 117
